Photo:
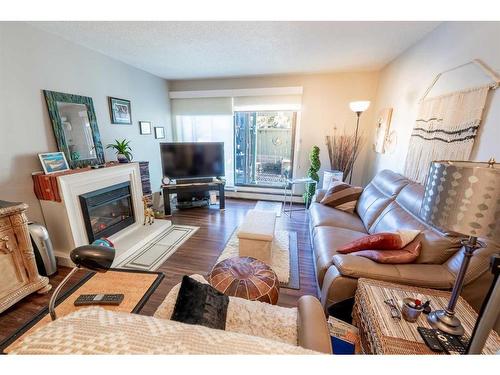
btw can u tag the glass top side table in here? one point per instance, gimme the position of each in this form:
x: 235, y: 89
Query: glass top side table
x: 288, y: 198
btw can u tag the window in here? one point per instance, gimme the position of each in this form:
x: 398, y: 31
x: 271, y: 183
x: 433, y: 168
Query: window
x: 264, y: 144
x: 209, y: 128
x: 257, y: 127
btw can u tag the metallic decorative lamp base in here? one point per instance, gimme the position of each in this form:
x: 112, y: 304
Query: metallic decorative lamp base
x: 446, y: 322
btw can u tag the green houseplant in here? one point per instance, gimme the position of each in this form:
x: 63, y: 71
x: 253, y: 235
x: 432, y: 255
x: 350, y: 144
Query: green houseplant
x: 123, y: 150
x: 312, y: 173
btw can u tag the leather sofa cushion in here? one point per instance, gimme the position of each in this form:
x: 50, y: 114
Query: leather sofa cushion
x: 321, y: 215
x: 411, y: 197
x: 423, y: 275
x: 381, y: 191
x: 326, y: 242
x: 436, y: 247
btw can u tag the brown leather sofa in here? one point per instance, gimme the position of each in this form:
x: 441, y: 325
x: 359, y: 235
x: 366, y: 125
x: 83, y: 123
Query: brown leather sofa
x: 389, y: 202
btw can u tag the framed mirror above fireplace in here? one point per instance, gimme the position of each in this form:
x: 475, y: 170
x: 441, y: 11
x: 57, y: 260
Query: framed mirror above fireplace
x: 75, y: 128
x: 107, y: 211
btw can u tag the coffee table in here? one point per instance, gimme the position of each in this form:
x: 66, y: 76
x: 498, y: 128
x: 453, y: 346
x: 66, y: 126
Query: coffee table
x: 381, y: 334
x: 136, y: 286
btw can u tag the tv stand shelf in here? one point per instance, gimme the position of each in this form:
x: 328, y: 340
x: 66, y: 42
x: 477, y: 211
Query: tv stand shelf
x: 194, y: 187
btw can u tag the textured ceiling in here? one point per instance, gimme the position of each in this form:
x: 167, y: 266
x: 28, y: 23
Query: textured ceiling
x: 184, y: 50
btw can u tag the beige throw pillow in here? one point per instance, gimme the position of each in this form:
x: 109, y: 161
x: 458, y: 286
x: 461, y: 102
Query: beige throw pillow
x: 342, y: 196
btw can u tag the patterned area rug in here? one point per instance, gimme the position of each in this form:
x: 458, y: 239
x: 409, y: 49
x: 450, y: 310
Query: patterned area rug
x: 151, y: 256
x: 285, y: 257
x: 269, y: 206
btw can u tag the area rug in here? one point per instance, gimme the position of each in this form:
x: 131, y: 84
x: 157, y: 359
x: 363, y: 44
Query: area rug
x: 269, y: 206
x: 151, y: 256
x: 285, y: 257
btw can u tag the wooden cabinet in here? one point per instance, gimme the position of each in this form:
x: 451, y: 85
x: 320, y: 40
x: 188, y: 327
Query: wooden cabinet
x: 18, y: 273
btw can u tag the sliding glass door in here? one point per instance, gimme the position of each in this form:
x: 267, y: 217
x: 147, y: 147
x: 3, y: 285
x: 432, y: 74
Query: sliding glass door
x: 263, y: 147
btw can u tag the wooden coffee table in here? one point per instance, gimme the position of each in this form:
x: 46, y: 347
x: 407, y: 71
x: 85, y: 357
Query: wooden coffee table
x: 136, y: 286
x: 381, y: 334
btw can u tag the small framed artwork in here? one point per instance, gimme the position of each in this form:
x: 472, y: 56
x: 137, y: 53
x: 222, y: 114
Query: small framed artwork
x: 120, y: 110
x: 53, y: 162
x: 382, y: 131
x: 159, y: 132
x: 145, y: 127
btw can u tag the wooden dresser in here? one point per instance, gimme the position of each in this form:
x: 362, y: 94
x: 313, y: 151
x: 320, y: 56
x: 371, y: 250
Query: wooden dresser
x: 18, y: 272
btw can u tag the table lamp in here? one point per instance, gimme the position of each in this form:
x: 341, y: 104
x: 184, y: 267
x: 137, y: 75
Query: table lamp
x: 357, y: 107
x: 462, y: 197
x: 94, y: 258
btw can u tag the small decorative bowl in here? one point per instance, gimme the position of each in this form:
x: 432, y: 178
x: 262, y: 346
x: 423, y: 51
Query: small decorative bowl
x: 409, y: 313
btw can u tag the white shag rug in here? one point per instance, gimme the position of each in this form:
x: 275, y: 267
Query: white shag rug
x: 280, y: 258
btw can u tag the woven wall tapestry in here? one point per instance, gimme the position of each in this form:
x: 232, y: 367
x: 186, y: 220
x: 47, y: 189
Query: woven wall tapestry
x: 445, y: 129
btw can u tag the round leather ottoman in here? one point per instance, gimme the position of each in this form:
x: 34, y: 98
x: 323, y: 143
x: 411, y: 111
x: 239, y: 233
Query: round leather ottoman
x: 247, y: 278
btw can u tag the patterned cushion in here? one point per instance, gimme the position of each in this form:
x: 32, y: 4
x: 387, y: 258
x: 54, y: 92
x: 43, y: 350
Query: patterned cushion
x: 342, y: 196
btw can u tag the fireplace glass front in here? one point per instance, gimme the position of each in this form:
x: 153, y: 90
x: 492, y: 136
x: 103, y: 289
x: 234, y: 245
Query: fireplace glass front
x: 107, y: 211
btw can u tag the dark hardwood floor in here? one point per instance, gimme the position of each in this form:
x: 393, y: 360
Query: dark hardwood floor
x: 197, y: 255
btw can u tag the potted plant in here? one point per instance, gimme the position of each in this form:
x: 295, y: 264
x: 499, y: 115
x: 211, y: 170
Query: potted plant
x: 123, y: 150
x: 312, y: 173
x: 343, y: 150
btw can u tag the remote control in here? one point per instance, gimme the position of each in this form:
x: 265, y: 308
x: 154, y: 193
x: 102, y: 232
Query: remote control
x: 450, y: 343
x: 430, y: 339
x: 99, y: 299
x: 437, y: 340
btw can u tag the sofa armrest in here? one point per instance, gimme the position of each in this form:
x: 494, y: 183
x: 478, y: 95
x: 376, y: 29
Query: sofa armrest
x: 423, y: 275
x: 312, y: 328
x: 318, y: 196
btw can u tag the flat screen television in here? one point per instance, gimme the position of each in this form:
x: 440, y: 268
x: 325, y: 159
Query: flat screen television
x: 192, y: 160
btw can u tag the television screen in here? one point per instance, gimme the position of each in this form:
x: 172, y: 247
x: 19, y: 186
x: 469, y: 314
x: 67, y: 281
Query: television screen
x: 190, y: 160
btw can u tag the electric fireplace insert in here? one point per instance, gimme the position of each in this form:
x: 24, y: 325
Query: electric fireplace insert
x: 107, y: 211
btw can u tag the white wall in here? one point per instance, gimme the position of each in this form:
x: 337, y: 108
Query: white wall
x: 325, y: 104
x: 406, y: 78
x: 32, y: 60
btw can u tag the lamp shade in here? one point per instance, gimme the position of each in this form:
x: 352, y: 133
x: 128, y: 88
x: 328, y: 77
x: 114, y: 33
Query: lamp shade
x: 463, y: 197
x: 359, y: 106
x: 95, y: 258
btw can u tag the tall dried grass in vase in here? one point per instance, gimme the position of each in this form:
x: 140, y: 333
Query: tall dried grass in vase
x: 343, y: 150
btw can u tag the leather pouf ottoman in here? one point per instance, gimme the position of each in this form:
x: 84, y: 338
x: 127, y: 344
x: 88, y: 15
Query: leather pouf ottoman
x: 245, y: 277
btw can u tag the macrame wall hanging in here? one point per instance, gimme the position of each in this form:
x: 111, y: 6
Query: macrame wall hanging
x: 446, y: 126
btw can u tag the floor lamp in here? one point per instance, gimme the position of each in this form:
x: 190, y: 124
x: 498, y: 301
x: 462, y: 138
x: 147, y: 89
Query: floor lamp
x: 357, y: 107
x: 462, y: 197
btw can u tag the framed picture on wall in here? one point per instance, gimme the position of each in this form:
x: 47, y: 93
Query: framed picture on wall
x: 53, y: 162
x: 145, y: 127
x: 159, y: 132
x: 120, y: 110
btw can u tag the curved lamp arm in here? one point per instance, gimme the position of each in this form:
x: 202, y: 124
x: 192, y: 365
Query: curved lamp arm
x: 53, y: 298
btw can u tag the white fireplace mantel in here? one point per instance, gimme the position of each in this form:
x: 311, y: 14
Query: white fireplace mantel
x: 65, y: 222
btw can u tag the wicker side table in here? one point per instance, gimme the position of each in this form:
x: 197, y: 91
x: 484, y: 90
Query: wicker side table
x: 381, y: 334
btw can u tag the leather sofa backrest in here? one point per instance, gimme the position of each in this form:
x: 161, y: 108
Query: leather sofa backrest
x: 404, y: 213
x: 377, y: 195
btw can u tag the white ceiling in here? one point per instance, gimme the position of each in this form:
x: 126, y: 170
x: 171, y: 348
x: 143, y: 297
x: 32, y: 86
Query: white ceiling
x: 186, y: 50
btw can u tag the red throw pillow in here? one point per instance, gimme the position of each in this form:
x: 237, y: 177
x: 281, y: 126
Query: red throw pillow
x: 405, y: 255
x: 380, y: 241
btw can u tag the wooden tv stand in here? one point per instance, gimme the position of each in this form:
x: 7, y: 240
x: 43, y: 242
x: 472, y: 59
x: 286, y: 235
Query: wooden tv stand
x: 194, y: 187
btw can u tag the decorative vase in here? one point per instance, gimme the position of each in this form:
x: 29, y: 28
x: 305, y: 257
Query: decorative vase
x: 328, y: 176
x: 122, y: 158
